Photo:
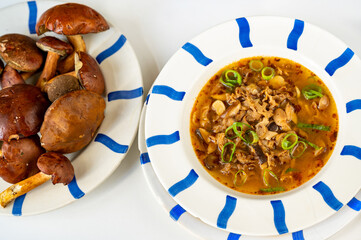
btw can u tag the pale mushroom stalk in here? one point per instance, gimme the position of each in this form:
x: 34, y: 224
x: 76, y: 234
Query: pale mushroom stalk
x: 55, y: 48
x: 67, y: 64
x: 52, y: 165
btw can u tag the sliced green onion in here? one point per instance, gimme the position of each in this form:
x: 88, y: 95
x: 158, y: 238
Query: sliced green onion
x: 230, y: 78
x: 314, y: 126
x: 312, y: 91
x: 274, y: 189
x: 237, y: 125
x: 250, y: 137
x: 286, y: 144
x: 243, y: 179
x: 224, y: 149
x: 256, y: 65
x: 227, y: 130
x: 265, y: 171
x: 296, y: 147
x: 291, y: 170
x: 311, y: 144
x: 268, y: 73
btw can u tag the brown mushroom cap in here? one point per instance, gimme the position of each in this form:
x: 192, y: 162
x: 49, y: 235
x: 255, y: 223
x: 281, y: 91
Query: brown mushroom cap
x: 58, y: 166
x: 20, y: 52
x: 89, y: 73
x: 11, y: 77
x: 22, y: 109
x: 61, y: 85
x: 71, y: 121
x: 20, y: 158
x: 71, y: 19
x: 52, y: 44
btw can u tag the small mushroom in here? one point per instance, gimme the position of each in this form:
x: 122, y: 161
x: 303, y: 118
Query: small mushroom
x: 89, y: 73
x: 52, y: 165
x: 10, y: 77
x: 323, y: 103
x: 280, y: 118
x: 22, y: 109
x: 19, y: 158
x: 71, y: 19
x: 71, y: 121
x: 20, y: 52
x: 56, y: 49
x: 61, y: 85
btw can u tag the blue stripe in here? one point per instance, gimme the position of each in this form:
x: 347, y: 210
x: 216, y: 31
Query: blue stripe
x: 355, y: 204
x: 111, y: 144
x: 147, y: 99
x: 18, y: 205
x: 197, y: 54
x: 176, y: 212
x: 74, y: 189
x: 295, y: 34
x: 244, y: 32
x: 233, y: 236
x: 112, y: 49
x: 183, y: 184
x: 279, y: 216
x: 298, y: 235
x: 339, y: 62
x: 144, y: 158
x: 353, y: 105
x: 128, y: 94
x: 226, y: 212
x: 351, y: 151
x: 33, y: 12
x: 328, y: 196
x: 169, y: 92
x: 163, y: 139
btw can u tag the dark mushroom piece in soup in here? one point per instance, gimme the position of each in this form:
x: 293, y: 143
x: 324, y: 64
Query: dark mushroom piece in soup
x: 264, y: 125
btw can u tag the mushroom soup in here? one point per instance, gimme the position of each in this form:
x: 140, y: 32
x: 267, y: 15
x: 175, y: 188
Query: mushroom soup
x: 264, y: 125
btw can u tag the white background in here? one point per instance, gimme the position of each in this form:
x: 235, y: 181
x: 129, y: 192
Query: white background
x: 123, y: 207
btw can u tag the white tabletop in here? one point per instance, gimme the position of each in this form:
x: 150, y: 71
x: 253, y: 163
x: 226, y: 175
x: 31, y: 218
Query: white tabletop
x: 123, y: 207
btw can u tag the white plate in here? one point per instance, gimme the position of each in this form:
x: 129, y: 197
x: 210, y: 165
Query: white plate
x: 168, y: 116
x: 124, y: 91
x: 322, y: 230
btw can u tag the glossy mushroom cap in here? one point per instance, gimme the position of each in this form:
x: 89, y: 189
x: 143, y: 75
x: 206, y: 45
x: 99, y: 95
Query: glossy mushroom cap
x: 71, y: 19
x: 58, y: 166
x: 52, y: 44
x: 20, y: 158
x: 71, y: 121
x: 89, y: 73
x: 20, y: 52
x: 11, y: 77
x: 22, y: 109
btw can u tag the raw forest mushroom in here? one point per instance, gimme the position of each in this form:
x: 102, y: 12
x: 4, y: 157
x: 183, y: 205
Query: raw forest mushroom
x: 11, y: 77
x: 22, y: 109
x: 61, y: 85
x: 19, y: 158
x: 71, y: 121
x: 89, y: 73
x: 56, y: 49
x: 20, y: 52
x: 52, y: 165
x: 71, y: 19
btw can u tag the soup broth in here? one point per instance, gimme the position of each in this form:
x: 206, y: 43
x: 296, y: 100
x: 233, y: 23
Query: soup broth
x: 264, y: 125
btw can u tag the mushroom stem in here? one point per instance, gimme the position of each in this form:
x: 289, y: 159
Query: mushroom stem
x: 49, y: 69
x: 22, y: 187
x: 27, y: 75
x: 67, y: 64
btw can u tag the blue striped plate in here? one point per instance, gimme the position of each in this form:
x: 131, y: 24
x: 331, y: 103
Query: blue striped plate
x: 123, y: 99
x: 322, y: 230
x: 168, y: 116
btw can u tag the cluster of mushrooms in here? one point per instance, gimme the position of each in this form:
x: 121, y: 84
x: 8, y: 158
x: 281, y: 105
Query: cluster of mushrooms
x: 65, y: 105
